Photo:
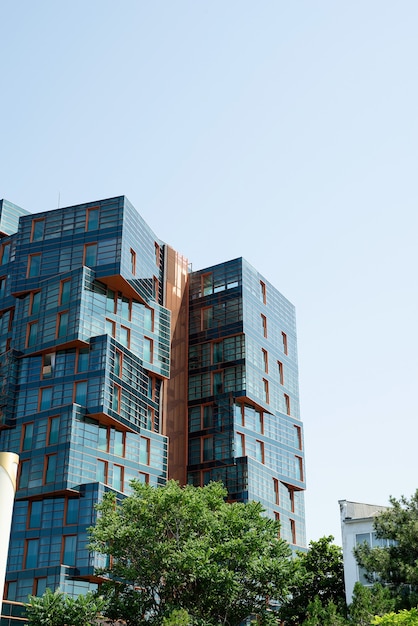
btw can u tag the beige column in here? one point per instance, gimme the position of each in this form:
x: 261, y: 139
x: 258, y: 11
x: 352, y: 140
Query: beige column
x: 8, y: 472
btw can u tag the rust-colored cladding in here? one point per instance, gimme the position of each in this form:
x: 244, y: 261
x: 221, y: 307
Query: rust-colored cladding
x: 175, y: 397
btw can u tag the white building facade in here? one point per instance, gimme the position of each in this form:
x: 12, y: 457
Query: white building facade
x: 357, y: 527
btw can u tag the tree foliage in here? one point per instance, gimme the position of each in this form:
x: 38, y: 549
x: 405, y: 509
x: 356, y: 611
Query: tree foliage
x: 319, y: 614
x: 395, y: 564
x: 173, y: 548
x: 367, y: 602
x: 319, y: 581
x: 57, y: 609
x: 403, y: 618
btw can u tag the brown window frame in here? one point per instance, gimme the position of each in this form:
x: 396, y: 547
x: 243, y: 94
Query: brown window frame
x: 263, y: 292
x: 287, y: 403
x: 133, y: 261
x: 265, y: 360
x: 299, y: 436
x: 2, y: 249
x: 32, y: 232
x: 157, y: 251
x: 266, y: 391
x: 285, y: 343
x: 60, y: 302
x: 60, y: 314
x: 89, y: 245
x: 30, y: 258
x: 281, y: 372
x: 92, y: 209
x: 28, y: 330
x: 264, y: 325
x: 122, y: 476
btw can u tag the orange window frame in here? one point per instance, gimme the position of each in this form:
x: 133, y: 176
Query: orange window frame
x: 28, y: 330
x: 299, y: 436
x: 285, y: 345
x: 2, y: 249
x: 92, y: 209
x: 133, y: 261
x: 33, y: 226
x: 30, y: 257
x: 66, y: 280
x: 89, y: 245
x: 281, y: 373
x: 265, y: 360
x: 264, y: 325
x: 266, y: 391
x: 157, y: 251
x: 287, y: 403
x: 263, y: 292
x: 58, y: 323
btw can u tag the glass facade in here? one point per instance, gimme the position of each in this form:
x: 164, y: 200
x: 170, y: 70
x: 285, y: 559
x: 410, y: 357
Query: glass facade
x: 244, y: 422
x: 84, y: 356
x: 102, y: 330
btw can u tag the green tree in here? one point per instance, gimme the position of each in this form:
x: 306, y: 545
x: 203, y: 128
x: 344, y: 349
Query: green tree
x: 57, y: 609
x: 403, y: 618
x: 319, y: 580
x: 173, y: 548
x: 367, y: 602
x: 396, y: 562
x: 318, y: 614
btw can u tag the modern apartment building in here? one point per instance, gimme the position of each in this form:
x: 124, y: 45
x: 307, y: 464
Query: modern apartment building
x: 117, y: 362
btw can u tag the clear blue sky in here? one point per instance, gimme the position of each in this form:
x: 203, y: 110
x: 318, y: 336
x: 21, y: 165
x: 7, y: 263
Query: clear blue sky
x: 284, y: 132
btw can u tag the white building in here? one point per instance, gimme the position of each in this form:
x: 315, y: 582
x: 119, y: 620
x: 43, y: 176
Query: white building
x: 356, y: 527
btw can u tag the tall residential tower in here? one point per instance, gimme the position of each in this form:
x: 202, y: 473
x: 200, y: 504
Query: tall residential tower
x: 117, y: 362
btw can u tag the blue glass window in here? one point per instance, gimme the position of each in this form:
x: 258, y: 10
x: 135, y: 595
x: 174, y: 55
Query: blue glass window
x: 32, y: 334
x: 118, y: 363
x: 11, y: 590
x: 103, y: 438
x: 35, y: 303
x: 35, y: 514
x: 34, y: 265
x: 218, y: 352
x: 65, y: 292
x: 101, y: 471
x: 92, y: 219
x: 40, y: 586
x: 117, y: 482
x: 126, y: 309
x: 54, y: 425
x: 27, y: 437
x: 90, y: 254
x: 50, y: 469
x: 24, y: 474
x: 149, y: 319
x: 38, y: 229
x: 147, y: 351
x: 46, y: 398
x: 73, y: 505
x: 119, y: 443
x: 62, y: 324
x: 208, y: 448
x: 5, y: 253
x: 125, y: 336
x: 83, y: 360
x: 218, y: 382
x: 144, y: 445
x: 32, y: 550
x: 81, y: 392
x: 110, y: 327
x: 110, y: 301
x: 116, y: 393
x: 69, y: 551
